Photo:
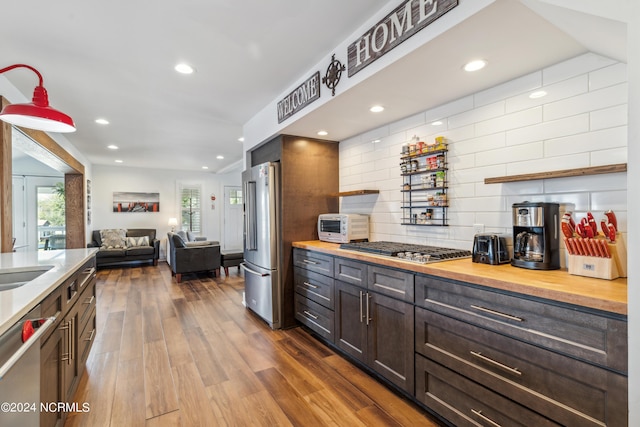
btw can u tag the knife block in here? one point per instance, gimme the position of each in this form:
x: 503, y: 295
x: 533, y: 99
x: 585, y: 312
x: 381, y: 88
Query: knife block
x: 601, y: 268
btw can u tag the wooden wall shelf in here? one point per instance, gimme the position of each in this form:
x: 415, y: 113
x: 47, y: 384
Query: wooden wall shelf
x: 593, y: 170
x: 356, y: 193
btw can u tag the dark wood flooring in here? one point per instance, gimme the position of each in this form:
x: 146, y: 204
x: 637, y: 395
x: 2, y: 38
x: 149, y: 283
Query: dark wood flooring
x: 192, y: 355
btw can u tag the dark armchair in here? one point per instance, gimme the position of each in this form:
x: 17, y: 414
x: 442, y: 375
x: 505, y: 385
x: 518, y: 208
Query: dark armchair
x: 192, y: 257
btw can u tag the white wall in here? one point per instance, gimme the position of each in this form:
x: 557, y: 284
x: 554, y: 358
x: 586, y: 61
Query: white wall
x: 109, y: 179
x: 501, y: 131
x: 633, y: 45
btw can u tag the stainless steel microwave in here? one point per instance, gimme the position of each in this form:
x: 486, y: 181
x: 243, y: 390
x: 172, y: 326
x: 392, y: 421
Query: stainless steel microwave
x: 343, y: 228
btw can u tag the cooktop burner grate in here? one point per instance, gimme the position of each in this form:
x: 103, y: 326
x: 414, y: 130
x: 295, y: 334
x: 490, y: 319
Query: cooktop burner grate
x: 392, y: 249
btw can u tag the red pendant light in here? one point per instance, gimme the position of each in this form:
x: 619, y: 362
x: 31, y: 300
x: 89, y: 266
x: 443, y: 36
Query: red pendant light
x: 37, y: 114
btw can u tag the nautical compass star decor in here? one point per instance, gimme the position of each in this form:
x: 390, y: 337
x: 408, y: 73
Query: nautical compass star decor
x: 334, y: 72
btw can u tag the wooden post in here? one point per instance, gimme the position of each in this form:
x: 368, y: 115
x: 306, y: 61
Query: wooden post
x: 6, y: 196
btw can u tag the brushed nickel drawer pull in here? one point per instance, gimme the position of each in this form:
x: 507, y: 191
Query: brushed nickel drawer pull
x: 484, y: 417
x: 496, y: 363
x: 497, y: 313
x: 310, y: 262
x: 368, y: 316
x: 360, y: 306
x: 310, y: 315
x: 90, y: 300
x: 93, y: 331
x: 310, y: 285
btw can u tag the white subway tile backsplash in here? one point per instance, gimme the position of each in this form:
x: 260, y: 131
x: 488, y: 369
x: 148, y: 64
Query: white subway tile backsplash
x: 509, y: 121
x: 586, y: 142
x: 609, y: 117
x: 506, y: 90
x: 580, y: 123
x: 609, y: 157
x: 594, y: 100
x: 573, y: 67
x: 549, y: 129
x: 555, y: 92
x: 548, y: 164
x: 608, y: 76
x: 485, y: 112
x: 532, y: 150
x: 450, y: 109
x: 407, y: 123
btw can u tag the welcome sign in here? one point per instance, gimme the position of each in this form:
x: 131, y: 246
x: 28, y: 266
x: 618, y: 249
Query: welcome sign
x: 299, y: 98
x: 403, y: 22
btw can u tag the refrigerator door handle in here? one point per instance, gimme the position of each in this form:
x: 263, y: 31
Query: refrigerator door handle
x: 248, y: 270
x: 250, y: 217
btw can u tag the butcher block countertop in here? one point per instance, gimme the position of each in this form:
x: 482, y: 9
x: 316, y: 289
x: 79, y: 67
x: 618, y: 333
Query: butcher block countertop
x: 557, y: 285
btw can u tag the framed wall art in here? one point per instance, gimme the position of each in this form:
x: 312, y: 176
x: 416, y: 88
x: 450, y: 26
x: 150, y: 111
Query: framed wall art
x: 135, y: 202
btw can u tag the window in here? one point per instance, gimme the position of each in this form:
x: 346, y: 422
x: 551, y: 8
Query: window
x: 191, y: 207
x: 235, y: 197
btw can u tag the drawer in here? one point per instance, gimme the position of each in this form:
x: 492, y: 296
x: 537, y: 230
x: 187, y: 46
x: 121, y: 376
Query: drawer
x: 52, y: 306
x: 393, y: 283
x: 569, y: 391
x: 314, y: 286
x: 87, y: 302
x: 585, y: 335
x: 86, y: 273
x: 349, y: 271
x: 87, y: 336
x: 465, y: 403
x: 313, y: 261
x: 316, y: 317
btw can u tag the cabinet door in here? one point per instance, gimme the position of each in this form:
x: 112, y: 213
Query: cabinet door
x: 70, y: 361
x: 351, y: 330
x: 51, y: 378
x: 390, y: 340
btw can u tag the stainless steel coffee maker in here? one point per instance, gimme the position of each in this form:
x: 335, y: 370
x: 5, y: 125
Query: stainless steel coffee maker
x: 536, y: 242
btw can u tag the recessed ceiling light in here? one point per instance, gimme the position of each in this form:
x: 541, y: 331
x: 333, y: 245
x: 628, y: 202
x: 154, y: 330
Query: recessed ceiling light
x: 537, y: 94
x: 118, y: 161
x: 102, y: 121
x: 241, y: 139
x: 375, y: 141
x: 437, y: 123
x: 112, y: 147
x: 205, y: 167
x: 184, y: 68
x: 476, y: 65
x: 219, y: 157
x: 323, y: 133
x: 376, y: 109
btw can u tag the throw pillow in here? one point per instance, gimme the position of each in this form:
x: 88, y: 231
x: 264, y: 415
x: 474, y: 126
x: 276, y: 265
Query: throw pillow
x: 133, y: 242
x: 113, y: 239
x: 178, y: 241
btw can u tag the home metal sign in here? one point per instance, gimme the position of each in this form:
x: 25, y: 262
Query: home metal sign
x: 301, y: 96
x: 403, y: 22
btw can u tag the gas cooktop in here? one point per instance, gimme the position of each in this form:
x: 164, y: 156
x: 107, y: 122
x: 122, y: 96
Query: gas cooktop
x: 409, y: 252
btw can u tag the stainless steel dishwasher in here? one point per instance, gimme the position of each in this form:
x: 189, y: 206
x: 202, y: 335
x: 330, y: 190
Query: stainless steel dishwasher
x: 20, y: 370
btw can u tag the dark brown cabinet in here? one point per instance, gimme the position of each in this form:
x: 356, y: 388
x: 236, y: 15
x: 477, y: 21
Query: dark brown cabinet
x: 308, y: 184
x: 314, y: 292
x: 376, y: 330
x: 63, y: 354
x: 547, y: 358
x: 469, y: 353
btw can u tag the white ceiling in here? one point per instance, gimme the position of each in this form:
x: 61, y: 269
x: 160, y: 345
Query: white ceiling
x: 115, y: 60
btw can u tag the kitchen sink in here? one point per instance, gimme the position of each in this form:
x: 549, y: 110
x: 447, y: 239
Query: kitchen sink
x: 11, y: 278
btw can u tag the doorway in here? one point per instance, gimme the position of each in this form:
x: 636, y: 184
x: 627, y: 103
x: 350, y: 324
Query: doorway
x: 233, y: 227
x: 50, y: 206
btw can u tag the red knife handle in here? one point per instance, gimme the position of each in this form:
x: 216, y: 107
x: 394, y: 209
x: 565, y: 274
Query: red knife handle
x: 566, y: 228
x: 589, y: 232
x: 605, y: 248
x: 611, y: 216
x: 612, y: 232
x: 594, y: 225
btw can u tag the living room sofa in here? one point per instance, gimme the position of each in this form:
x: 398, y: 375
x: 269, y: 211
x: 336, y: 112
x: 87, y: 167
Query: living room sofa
x: 119, y: 246
x: 192, y: 256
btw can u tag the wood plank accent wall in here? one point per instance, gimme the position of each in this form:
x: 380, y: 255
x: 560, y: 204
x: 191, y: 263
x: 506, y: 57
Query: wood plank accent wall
x: 48, y: 151
x: 6, y: 228
x: 74, y: 210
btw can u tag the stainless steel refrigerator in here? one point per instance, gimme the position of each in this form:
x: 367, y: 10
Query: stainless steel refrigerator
x: 262, y: 267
